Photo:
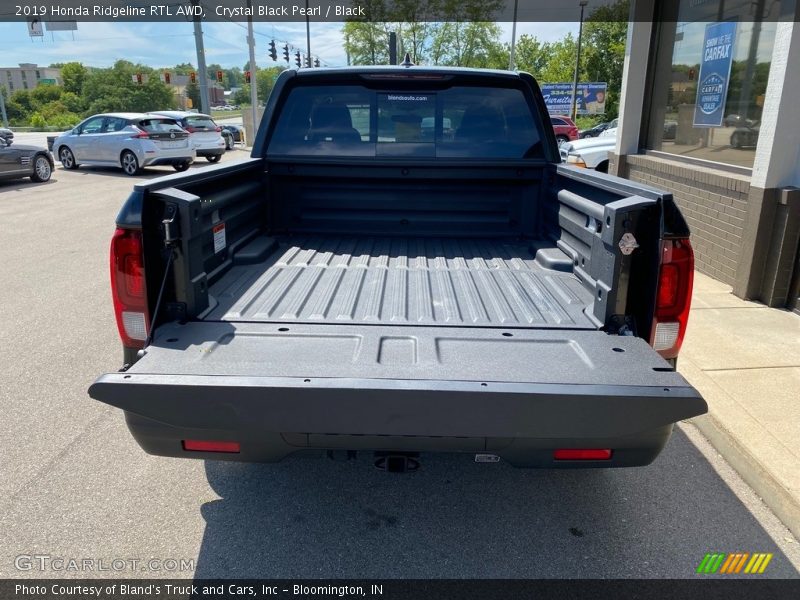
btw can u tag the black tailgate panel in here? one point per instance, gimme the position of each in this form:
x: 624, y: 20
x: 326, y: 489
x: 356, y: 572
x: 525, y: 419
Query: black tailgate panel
x: 348, y: 379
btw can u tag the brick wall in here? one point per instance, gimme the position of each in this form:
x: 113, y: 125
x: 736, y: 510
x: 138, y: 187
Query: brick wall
x: 713, y: 202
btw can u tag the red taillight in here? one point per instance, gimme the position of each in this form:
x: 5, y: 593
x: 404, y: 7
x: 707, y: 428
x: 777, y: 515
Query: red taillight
x: 582, y: 454
x: 218, y: 129
x: 141, y: 135
x: 673, y: 298
x: 128, y: 287
x: 189, y: 129
x: 211, y: 446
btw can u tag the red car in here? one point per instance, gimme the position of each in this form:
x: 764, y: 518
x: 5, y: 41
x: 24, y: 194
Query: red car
x: 564, y: 128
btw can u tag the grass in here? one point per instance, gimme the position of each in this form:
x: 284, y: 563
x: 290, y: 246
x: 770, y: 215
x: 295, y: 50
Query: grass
x: 226, y: 114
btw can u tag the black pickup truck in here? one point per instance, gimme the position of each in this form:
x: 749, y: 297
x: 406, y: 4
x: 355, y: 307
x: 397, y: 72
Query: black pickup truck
x: 403, y: 265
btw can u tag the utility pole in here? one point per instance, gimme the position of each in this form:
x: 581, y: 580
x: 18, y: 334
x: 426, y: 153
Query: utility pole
x: 251, y: 43
x: 201, y: 64
x: 308, y: 35
x: 511, y: 59
x: 583, y: 4
x: 392, y: 48
x: 3, y: 109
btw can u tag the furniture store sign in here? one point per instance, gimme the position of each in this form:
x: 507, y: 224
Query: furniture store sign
x: 715, y: 74
x: 591, y: 98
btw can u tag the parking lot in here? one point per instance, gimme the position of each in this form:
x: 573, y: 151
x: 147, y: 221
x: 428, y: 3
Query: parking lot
x: 76, y: 485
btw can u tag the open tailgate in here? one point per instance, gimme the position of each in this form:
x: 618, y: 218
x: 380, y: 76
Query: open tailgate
x: 405, y: 381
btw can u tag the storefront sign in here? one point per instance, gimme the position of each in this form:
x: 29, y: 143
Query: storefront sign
x: 591, y: 98
x: 715, y: 74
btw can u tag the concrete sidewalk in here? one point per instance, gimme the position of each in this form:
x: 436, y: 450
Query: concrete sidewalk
x: 745, y: 360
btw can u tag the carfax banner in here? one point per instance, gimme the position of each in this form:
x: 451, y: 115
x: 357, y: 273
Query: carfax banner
x: 715, y: 74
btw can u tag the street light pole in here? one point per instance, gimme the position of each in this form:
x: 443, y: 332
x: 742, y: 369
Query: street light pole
x: 201, y: 64
x: 308, y: 36
x: 251, y: 45
x: 583, y: 4
x: 511, y: 59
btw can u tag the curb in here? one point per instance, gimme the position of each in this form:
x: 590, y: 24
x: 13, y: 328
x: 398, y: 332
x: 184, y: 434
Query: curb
x: 772, y: 492
x: 785, y: 506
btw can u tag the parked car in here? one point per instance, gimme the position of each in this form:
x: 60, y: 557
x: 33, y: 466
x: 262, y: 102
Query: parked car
x: 130, y: 141
x: 611, y: 130
x: 593, y: 131
x: 6, y: 134
x: 232, y: 134
x: 17, y: 160
x: 746, y: 135
x: 589, y: 153
x: 205, y: 135
x: 733, y: 120
x: 564, y: 128
x: 489, y: 301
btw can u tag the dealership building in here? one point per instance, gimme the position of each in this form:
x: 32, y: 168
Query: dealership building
x: 729, y: 151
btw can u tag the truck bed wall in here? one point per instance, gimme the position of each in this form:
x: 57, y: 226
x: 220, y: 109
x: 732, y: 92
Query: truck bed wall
x: 573, y: 220
x: 397, y: 200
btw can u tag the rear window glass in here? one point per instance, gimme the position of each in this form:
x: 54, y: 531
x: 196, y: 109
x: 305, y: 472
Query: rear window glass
x: 466, y: 122
x: 159, y: 125
x: 200, y: 123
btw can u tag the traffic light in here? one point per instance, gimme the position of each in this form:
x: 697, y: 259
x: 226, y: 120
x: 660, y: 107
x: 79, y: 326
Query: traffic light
x: 247, y: 76
x: 139, y: 78
x: 316, y: 62
x: 193, y: 77
x: 273, y: 52
x: 286, y: 53
x: 220, y: 76
x: 297, y: 60
x: 167, y: 77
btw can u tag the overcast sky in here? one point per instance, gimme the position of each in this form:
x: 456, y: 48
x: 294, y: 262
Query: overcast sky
x: 168, y: 44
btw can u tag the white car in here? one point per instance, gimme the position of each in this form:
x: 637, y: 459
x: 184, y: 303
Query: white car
x: 611, y: 130
x: 205, y: 135
x: 131, y: 141
x: 589, y: 153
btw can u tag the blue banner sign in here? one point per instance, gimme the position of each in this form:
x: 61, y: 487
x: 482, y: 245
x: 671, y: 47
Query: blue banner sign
x: 591, y: 98
x: 715, y: 74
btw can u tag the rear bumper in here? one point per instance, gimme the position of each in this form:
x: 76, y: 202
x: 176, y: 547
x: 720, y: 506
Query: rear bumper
x: 211, y: 151
x: 164, y: 440
x: 521, y: 423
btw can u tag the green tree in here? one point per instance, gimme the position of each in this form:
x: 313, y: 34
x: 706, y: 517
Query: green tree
x: 73, y: 74
x: 184, y: 68
x: 604, y: 38
x: 192, y: 92
x: 114, y: 89
x: 464, y: 35
x: 242, y: 95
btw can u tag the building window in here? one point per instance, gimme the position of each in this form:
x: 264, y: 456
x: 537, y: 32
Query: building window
x: 38, y: 75
x: 725, y: 50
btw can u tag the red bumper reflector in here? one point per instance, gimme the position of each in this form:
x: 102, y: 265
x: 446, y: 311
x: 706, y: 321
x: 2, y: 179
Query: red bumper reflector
x: 582, y: 454
x: 211, y: 446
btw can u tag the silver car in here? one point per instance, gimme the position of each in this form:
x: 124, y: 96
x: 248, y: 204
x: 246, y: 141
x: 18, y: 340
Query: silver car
x: 204, y: 134
x: 131, y: 141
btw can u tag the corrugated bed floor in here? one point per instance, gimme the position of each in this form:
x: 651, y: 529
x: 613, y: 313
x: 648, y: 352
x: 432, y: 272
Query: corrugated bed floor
x: 401, y: 280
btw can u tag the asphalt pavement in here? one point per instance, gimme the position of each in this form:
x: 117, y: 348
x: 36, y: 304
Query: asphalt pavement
x: 73, y: 484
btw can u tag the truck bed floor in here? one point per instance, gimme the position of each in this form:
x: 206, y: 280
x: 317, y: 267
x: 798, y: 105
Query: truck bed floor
x: 415, y: 281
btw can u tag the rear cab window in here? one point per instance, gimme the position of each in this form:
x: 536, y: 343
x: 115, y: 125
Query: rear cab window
x: 352, y: 120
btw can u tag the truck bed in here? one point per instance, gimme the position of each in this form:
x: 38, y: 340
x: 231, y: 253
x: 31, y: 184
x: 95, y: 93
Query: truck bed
x: 398, y: 280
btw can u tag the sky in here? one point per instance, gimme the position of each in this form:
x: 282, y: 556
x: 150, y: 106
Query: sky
x: 168, y: 44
